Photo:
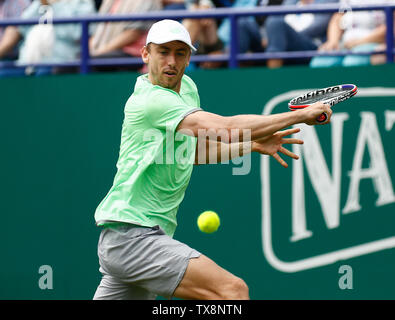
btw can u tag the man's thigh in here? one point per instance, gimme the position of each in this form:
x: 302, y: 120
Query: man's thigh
x: 111, y: 288
x: 144, y: 257
x: 204, y: 279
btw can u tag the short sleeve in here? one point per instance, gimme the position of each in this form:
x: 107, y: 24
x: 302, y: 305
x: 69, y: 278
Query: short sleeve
x: 165, y: 110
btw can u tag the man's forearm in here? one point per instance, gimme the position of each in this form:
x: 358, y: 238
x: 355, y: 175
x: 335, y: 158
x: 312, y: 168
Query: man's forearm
x: 261, y: 125
x: 210, y: 152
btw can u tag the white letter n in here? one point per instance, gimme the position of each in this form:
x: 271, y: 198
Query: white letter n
x: 369, y: 136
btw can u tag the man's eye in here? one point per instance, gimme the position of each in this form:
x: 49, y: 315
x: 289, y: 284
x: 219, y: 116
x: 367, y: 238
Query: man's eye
x: 163, y: 52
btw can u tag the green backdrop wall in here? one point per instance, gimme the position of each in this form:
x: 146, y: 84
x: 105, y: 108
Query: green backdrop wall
x: 286, y: 232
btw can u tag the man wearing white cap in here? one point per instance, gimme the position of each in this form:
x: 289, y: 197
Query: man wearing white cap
x: 139, y: 258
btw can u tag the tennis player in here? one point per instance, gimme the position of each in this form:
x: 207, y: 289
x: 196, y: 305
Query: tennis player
x: 139, y: 259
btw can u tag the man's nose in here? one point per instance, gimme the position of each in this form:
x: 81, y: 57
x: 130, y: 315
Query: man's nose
x: 171, y: 59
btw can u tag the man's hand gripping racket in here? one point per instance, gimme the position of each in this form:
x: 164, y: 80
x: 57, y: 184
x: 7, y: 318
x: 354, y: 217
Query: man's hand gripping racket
x: 330, y: 96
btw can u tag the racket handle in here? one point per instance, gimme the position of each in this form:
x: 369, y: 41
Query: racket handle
x: 322, y: 117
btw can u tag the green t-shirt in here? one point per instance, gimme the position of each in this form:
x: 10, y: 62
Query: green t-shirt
x: 155, y: 162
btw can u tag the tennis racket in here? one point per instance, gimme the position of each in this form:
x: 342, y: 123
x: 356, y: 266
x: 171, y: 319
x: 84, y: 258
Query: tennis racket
x: 331, y: 95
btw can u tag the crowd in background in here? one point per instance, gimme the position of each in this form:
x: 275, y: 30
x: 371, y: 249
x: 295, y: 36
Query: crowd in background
x: 44, y: 43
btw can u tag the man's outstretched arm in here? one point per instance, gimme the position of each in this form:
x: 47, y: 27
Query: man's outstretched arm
x: 236, y: 128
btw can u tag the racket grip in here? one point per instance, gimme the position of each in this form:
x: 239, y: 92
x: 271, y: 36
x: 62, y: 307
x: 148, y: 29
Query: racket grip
x: 322, y: 117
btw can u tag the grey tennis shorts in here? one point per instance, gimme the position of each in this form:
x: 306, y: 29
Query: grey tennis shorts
x: 139, y: 263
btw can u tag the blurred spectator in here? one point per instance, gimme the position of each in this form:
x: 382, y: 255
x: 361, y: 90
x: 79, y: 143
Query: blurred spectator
x: 173, y: 4
x: 204, y: 32
x: 262, y: 3
x: 380, y: 58
x: 251, y: 30
x: 296, y: 32
x: 249, y: 37
x: 9, y: 36
x: 117, y: 39
x: 46, y: 43
x: 261, y: 20
x: 213, y: 36
x: 359, y: 31
x: 98, y: 4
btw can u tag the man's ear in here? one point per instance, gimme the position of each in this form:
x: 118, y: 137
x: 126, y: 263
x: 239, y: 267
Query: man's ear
x: 145, y: 54
x: 189, y: 59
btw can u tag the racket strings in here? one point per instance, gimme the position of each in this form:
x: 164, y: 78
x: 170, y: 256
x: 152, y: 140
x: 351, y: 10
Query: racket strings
x: 332, y: 96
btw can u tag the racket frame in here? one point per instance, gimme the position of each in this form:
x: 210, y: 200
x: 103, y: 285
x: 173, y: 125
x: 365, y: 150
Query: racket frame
x: 352, y: 91
x: 331, y: 101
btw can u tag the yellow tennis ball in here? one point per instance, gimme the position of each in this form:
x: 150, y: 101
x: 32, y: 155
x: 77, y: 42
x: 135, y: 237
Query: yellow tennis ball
x: 208, y: 221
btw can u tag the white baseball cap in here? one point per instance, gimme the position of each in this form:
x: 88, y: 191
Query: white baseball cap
x: 168, y: 30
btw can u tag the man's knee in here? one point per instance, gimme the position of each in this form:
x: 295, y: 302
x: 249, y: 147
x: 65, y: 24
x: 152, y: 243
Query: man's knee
x: 235, y: 289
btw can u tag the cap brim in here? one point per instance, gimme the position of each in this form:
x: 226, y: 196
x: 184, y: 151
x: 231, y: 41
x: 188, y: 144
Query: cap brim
x: 165, y: 41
